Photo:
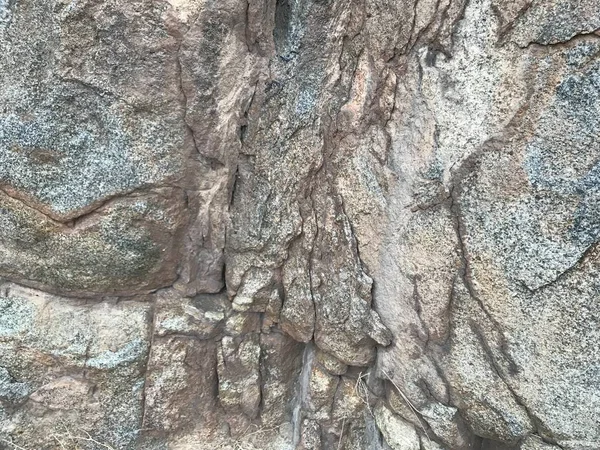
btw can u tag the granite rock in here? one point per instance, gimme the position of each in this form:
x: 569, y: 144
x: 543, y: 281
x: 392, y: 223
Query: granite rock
x: 285, y: 224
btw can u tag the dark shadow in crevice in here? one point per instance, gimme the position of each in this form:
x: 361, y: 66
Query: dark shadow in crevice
x: 283, y: 19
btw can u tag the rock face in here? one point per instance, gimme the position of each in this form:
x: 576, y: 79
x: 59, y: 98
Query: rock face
x: 304, y: 225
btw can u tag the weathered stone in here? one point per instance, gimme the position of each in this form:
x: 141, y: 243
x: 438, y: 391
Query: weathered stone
x: 258, y: 289
x: 11, y: 391
x: 311, y: 435
x: 331, y: 364
x: 71, y: 370
x: 93, y: 149
x: 283, y: 213
x: 428, y: 444
x: 298, y: 309
x: 477, y: 384
x: 202, y: 317
x: 181, y: 383
x: 515, y: 187
x: 239, y: 375
x: 447, y: 424
x: 321, y: 392
x: 281, y: 361
x: 128, y: 245
x: 345, y: 324
x: 535, y: 443
x: 398, y: 434
x: 349, y: 402
x: 239, y: 324
x: 355, y: 436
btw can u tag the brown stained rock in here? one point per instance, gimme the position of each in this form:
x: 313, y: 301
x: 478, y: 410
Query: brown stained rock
x: 345, y: 326
x: 239, y: 375
x: 281, y: 216
x: 127, y: 246
x: 239, y: 324
x: 202, y: 317
x: 406, y: 189
x: 258, y: 291
x: 281, y: 360
x: 218, y: 74
x: 94, y: 147
x: 298, y: 309
x: 181, y: 386
x: 272, y: 314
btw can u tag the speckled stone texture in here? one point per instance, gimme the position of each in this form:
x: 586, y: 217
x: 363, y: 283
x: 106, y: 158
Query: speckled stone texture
x: 299, y: 225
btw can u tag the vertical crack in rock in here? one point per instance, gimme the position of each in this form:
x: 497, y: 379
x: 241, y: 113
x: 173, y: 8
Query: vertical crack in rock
x: 465, y: 270
x: 302, y: 393
x: 539, y: 429
x: 184, y: 100
x: 218, y: 205
x: 374, y: 438
x: 465, y: 275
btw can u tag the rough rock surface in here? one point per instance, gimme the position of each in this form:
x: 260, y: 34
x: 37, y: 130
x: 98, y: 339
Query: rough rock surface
x: 299, y: 224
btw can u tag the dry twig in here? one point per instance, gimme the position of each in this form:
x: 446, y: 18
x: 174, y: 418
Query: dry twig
x: 412, y: 407
x: 15, y: 446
